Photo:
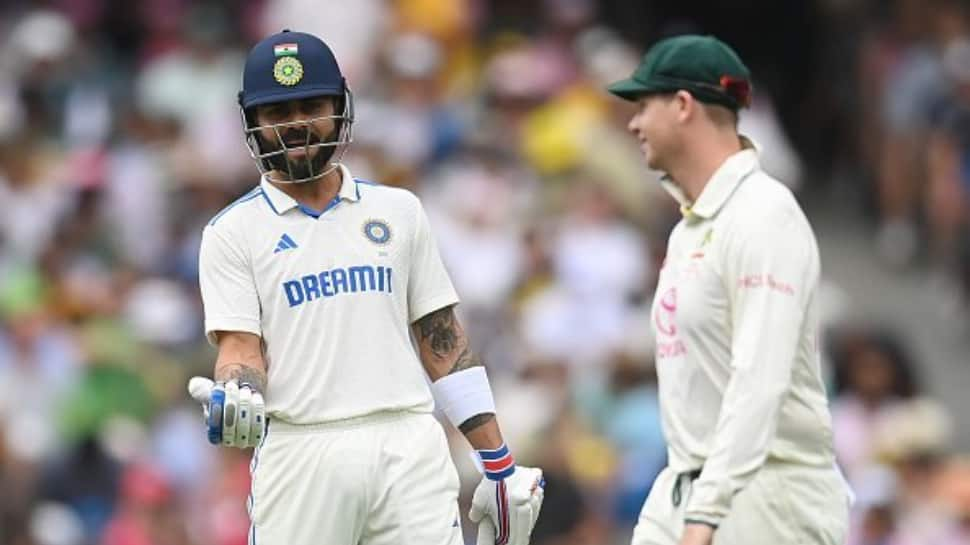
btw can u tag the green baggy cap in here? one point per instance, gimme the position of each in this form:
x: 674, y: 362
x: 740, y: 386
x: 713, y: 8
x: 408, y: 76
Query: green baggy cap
x: 702, y: 65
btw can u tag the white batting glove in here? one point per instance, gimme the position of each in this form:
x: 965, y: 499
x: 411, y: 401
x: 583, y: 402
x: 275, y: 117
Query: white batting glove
x: 507, y: 501
x: 235, y: 414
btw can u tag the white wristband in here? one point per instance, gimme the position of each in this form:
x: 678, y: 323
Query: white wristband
x: 463, y: 395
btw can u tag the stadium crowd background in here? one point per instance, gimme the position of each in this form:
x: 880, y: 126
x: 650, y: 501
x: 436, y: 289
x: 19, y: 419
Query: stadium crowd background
x: 120, y: 139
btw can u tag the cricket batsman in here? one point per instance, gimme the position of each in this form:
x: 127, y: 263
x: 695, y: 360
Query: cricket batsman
x: 313, y: 283
x: 743, y: 405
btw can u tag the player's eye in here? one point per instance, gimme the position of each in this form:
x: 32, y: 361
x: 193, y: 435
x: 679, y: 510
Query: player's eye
x: 275, y: 113
x: 315, y: 107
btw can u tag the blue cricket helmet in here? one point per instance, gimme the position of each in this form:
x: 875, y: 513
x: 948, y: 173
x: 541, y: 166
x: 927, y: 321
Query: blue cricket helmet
x: 294, y: 66
x: 270, y: 77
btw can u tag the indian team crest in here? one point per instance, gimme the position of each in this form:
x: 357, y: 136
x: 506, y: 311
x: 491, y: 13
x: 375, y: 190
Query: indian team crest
x: 377, y: 231
x: 288, y: 71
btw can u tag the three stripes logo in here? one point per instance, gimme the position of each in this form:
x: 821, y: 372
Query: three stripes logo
x: 285, y: 243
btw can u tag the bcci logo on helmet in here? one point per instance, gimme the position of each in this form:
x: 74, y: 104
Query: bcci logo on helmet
x: 288, y: 71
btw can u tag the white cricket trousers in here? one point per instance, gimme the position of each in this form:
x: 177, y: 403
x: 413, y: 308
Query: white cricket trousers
x: 785, y: 504
x: 383, y: 479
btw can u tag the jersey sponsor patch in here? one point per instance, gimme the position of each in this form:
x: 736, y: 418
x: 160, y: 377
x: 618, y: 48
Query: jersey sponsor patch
x: 337, y: 281
x: 670, y: 349
x: 665, y: 313
x: 755, y: 281
x: 665, y: 320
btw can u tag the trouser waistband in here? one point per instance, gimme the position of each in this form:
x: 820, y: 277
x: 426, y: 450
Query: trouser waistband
x: 282, y: 426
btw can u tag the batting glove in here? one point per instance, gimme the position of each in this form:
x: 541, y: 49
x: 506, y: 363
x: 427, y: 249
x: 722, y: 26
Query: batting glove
x: 235, y: 413
x: 507, y: 501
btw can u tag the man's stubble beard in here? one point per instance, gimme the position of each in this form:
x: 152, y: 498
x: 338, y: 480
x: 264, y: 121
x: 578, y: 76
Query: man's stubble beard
x: 312, y: 164
x: 306, y: 167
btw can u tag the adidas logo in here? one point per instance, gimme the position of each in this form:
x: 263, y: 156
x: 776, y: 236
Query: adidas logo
x: 285, y: 243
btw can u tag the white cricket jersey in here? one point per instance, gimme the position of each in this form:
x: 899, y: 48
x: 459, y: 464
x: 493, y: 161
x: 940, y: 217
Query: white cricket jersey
x: 332, y: 293
x: 735, y: 318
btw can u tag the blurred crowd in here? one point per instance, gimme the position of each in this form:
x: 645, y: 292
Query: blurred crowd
x: 914, y: 136
x: 120, y: 138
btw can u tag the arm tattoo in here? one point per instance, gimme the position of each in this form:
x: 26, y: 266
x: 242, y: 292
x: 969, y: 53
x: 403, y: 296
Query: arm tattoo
x: 440, y: 327
x: 243, y: 374
x: 442, y: 333
x: 475, y: 422
x: 466, y: 360
x: 444, y: 345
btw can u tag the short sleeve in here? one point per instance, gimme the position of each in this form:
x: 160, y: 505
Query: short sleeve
x: 228, y: 288
x: 429, y: 286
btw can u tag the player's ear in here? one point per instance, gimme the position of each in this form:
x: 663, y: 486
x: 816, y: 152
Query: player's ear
x: 685, y: 104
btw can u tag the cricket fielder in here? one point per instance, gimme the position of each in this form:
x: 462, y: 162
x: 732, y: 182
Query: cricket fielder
x: 312, y: 284
x: 735, y: 315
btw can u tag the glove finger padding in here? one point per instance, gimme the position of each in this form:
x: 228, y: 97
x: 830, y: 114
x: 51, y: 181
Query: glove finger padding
x: 479, y: 500
x: 258, y: 406
x: 230, y: 414
x: 525, y: 484
x: 244, y: 418
x: 536, y: 502
x: 486, y: 533
x: 521, y: 523
x: 200, y: 388
x: 214, y: 413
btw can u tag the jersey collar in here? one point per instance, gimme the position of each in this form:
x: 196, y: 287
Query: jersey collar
x: 281, y: 202
x: 721, y: 185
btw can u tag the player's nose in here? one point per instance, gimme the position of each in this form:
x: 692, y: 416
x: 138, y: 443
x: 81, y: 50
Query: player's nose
x: 295, y: 121
x: 293, y: 113
x: 632, y: 125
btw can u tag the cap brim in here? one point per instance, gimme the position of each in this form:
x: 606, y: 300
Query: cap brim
x: 292, y: 94
x: 629, y: 89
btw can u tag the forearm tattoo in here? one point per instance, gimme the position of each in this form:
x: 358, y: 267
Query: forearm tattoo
x: 442, y: 334
x: 442, y: 340
x: 475, y: 422
x: 466, y: 360
x: 244, y: 374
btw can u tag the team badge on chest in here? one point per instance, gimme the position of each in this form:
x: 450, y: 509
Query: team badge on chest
x: 377, y: 231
